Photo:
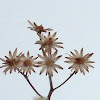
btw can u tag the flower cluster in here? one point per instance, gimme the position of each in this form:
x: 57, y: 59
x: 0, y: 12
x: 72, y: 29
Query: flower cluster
x: 19, y: 62
x: 26, y: 64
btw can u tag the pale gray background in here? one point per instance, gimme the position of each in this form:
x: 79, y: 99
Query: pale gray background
x: 78, y: 25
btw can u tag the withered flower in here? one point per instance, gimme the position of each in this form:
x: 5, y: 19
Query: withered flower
x: 12, y: 62
x: 39, y: 28
x: 48, y: 42
x: 49, y: 63
x: 28, y: 62
x: 79, y: 61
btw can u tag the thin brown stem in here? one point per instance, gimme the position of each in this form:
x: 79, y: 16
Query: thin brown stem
x: 51, y: 87
x: 32, y: 86
x: 64, y: 81
x: 50, y: 80
x: 26, y: 77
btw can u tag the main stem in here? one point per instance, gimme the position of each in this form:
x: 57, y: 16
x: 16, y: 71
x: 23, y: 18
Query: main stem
x: 51, y: 87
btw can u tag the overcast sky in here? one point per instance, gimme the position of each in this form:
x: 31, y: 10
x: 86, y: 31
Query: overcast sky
x: 77, y: 23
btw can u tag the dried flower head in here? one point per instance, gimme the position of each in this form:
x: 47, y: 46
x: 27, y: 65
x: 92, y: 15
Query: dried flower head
x: 28, y: 62
x: 48, y: 63
x: 37, y: 28
x: 12, y: 62
x: 48, y: 42
x: 79, y: 61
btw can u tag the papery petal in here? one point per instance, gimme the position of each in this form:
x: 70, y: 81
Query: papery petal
x: 42, y: 70
x: 5, y: 71
x: 53, y: 36
x: 82, y: 70
x: 89, y: 65
x: 2, y: 59
x: 77, y: 53
x: 3, y: 66
x: 10, y: 55
x: 90, y: 62
x: 59, y: 46
x: 40, y: 56
x: 86, y: 68
x: 73, y: 54
x: 49, y: 29
x: 30, y: 23
x: 58, y: 66
x: 49, y: 35
x: 55, y: 70
x: 15, y: 52
x: 81, y: 52
x: 89, y: 55
x: 72, y: 66
x: 33, y: 70
x: 57, y: 58
x: 58, y: 43
x: 76, y: 69
x: 28, y: 54
x: 68, y: 61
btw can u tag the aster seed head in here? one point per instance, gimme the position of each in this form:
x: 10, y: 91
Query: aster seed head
x: 48, y: 42
x: 79, y: 61
x: 49, y: 63
x: 13, y: 62
x: 39, y: 28
x: 28, y: 63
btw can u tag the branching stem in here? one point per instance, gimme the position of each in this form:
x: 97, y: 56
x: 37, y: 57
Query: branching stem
x: 51, y: 87
x: 64, y: 81
x: 26, y: 77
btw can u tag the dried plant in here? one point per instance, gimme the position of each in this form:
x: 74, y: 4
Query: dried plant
x: 25, y: 65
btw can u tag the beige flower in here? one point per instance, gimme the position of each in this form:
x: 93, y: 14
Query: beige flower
x: 37, y: 28
x: 28, y: 63
x: 79, y: 61
x: 48, y: 63
x: 48, y: 42
x: 12, y: 62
